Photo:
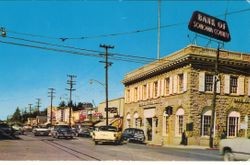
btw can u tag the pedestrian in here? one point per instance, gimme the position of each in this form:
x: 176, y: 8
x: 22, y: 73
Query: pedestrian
x: 183, y: 138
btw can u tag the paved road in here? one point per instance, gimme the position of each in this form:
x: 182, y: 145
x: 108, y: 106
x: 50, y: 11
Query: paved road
x: 29, y: 147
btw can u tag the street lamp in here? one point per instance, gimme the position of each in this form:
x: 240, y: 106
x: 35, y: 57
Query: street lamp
x: 91, y: 81
x: 105, y: 86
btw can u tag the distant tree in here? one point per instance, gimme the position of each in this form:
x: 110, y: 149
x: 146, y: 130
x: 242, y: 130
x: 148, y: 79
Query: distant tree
x: 16, y: 117
x: 62, y: 104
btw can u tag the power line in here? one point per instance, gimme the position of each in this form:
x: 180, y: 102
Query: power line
x: 118, y: 33
x: 140, y: 60
x: 77, y: 48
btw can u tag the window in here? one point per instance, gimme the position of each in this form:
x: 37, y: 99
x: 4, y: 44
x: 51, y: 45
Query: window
x: 62, y: 115
x: 233, y: 123
x: 206, y: 120
x: 180, y: 83
x: 149, y: 88
x: 233, y: 84
x: 136, y: 93
x: 167, y: 86
x: 128, y: 120
x: 164, y: 124
x: 208, y: 82
x: 128, y: 95
x: 155, y: 89
x: 179, y: 122
x: 144, y: 89
x: 135, y: 122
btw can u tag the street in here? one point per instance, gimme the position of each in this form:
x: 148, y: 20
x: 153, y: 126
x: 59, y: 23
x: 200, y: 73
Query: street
x: 30, y: 147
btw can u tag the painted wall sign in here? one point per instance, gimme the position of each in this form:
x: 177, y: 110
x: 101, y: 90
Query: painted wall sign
x: 209, y: 26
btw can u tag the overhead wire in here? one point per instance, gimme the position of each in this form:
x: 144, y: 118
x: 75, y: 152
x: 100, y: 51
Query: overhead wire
x: 115, y: 56
x: 139, y: 58
x: 118, y: 33
x: 74, y: 52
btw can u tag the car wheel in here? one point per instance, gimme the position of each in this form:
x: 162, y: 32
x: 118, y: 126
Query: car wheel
x: 96, y: 142
x: 228, y: 156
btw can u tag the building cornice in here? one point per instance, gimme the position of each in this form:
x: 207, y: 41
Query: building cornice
x: 189, y: 55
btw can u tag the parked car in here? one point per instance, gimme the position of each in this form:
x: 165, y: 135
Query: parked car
x: 107, y: 134
x: 133, y: 135
x: 41, y: 130
x: 235, y: 149
x: 27, y: 128
x: 85, y: 131
x: 18, y: 130
x: 63, y: 131
x: 6, y: 129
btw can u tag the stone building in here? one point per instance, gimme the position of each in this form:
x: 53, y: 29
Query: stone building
x: 174, y: 94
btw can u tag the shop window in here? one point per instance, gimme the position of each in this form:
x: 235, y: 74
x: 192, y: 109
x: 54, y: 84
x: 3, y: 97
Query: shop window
x: 233, y: 124
x: 179, y: 122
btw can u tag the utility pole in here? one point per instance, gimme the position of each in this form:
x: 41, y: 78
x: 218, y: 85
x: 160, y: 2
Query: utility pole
x: 30, y: 108
x: 71, y: 82
x: 38, y: 112
x: 159, y: 30
x: 211, y: 140
x: 107, y: 64
x: 51, y: 95
x: 38, y: 104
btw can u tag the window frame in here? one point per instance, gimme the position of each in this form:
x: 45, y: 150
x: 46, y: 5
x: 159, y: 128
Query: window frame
x: 209, y: 82
x: 179, y: 126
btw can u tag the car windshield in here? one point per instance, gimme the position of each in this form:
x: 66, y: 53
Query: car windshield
x: 139, y: 131
x: 109, y: 128
x: 63, y: 127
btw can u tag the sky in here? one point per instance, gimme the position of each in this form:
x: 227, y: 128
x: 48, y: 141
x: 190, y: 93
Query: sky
x: 26, y: 72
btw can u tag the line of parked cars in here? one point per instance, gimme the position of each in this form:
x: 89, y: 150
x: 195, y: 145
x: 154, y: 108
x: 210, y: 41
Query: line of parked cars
x: 112, y: 134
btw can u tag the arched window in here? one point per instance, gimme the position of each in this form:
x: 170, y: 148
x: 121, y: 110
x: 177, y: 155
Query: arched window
x: 128, y: 117
x: 135, y: 121
x: 205, y: 123
x: 179, y: 122
x: 233, y: 121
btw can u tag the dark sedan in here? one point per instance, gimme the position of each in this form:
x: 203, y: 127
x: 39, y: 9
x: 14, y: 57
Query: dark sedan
x: 133, y: 135
x: 62, y: 131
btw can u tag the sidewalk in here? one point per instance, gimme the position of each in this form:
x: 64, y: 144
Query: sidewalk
x: 185, y: 146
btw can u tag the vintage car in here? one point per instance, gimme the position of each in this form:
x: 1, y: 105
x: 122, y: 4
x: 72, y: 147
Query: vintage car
x: 41, y: 131
x: 107, y: 134
x: 85, y: 131
x: 235, y: 149
x: 63, y: 131
x: 133, y: 135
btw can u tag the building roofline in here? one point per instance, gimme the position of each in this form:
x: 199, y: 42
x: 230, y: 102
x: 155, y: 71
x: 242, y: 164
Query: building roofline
x: 180, y: 56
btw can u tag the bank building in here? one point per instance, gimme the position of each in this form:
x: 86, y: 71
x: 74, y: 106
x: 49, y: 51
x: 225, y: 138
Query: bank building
x: 174, y: 95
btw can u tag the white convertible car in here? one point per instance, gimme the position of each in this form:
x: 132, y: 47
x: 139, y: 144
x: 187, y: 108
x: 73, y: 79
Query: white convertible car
x: 235, y: 149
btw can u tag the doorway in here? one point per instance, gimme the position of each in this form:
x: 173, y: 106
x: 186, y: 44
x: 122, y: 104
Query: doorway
x: 149, y: 129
